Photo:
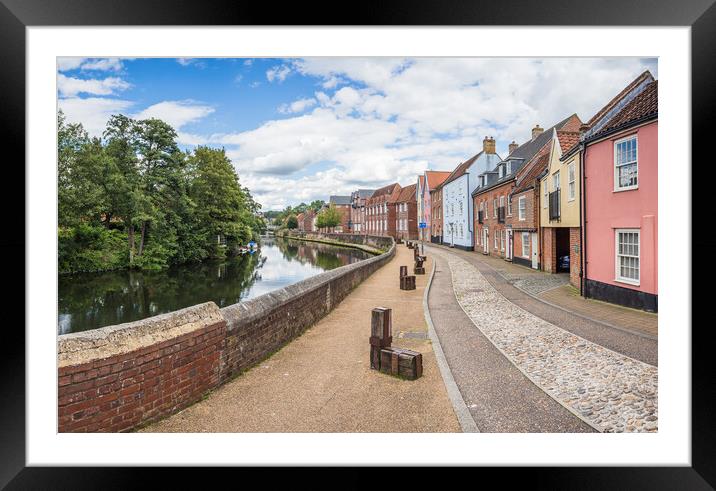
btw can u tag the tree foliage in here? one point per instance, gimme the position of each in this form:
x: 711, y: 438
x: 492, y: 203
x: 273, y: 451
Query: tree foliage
x: 328, y: 217
x: 134, y: 199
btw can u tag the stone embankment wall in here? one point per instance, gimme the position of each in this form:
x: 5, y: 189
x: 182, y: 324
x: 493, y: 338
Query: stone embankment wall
x: 118, y: 378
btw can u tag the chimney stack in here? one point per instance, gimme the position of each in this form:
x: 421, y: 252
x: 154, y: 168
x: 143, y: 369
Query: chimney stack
x: 513, y: 146
x: 537, y: 131
x: 488, y: 144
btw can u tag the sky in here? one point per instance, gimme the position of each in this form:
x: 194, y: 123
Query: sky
x: 303, y: 129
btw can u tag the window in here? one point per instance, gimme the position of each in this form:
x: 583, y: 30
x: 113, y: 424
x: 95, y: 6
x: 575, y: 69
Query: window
x: 509, y: 206
x: 502, y: 171
x: 494, y: 207
x: 522, y: 208
x: 555, y: 181
x: 625, y: 164
x: 460, y: 207
x: 495, y: 237
x: 545, y: 196
x: 487, y: 208
x: 525, y: 244
x: 461, y: 230
x: 502, y: 201
x: 572, y: 185
x: 502, y: 241
x: 627, y: 256
x: 508, y: 167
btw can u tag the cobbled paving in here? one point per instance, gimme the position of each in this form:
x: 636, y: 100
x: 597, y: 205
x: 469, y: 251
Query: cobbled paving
x: 611, y: 391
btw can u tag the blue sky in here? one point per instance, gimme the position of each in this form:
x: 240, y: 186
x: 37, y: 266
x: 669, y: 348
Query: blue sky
x: 302, y: 129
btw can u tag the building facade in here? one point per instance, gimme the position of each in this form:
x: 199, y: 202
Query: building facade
x: 358, y: 210
x: 380, y: 210
x: 457, y: 211
x: 406, y: 214
x: 426, y: 184
x: 436, y: 215
x: 619, y: 158
x: 343, y: 206
x: 560, y: 208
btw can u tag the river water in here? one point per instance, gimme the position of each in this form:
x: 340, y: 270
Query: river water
x: 93, y: 300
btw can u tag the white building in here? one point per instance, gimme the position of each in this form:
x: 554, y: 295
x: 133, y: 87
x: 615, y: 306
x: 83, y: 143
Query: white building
x: 457, y: 196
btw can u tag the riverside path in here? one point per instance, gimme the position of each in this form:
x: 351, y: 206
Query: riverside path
x: 322, y: 381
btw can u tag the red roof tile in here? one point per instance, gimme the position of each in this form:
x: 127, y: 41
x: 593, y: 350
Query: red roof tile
x: 643, y: 105
x: 385, y: 190
x: 436, y: 177
x: 567, y: 139
x: 641, y: 78
x: 407, y: 194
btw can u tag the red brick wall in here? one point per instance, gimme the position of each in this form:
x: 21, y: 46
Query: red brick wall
x: 120, y: 392
x: 549, y: 250
x: 491, y: 221
x: 575, y: 256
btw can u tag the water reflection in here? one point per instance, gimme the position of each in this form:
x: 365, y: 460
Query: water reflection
x: 92, y: 300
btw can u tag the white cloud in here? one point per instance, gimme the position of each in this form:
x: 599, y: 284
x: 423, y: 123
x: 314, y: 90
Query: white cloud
x: 93, y: 112
x: 70, y: 86
x: 98, y: 64
x: 297, y: 106
x: 176, y: 113
x: 279, y: 73
x: 248, y: 62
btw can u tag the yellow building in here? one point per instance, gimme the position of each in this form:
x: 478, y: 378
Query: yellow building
x: 559, y: 206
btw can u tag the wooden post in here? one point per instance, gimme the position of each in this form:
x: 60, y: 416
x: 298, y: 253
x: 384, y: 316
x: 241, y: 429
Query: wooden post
x: 403, y: 271
x: 402, y: 362
x: 407, y: 282
x: 419, y: 269
x: 381, y: 330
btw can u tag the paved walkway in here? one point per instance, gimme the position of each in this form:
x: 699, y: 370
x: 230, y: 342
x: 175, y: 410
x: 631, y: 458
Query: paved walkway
x: 321, y: 382
x: 610, y: 391
x: 600, y: 327
x: 556, y: 289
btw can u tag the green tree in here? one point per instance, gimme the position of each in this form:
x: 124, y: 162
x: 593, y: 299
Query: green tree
x: 292, y: 222
x: 328, y: 217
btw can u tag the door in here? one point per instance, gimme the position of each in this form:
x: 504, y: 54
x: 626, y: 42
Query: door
x: 508, y: 246
x: 485, y: 239
x: 535, y: 257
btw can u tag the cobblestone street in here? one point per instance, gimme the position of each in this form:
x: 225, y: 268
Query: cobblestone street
x: 610, y: 391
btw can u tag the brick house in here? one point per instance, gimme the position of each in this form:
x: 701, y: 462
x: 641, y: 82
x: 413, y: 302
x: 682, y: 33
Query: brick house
x: 426, y: 184
x: 406, y: 215
x: 307, y: 224
x: 524, y: 221
x: 619, y: 176
x: 380, y: 208
x: 299, y: 219
x: 358, y: 210
x: 343, y: 206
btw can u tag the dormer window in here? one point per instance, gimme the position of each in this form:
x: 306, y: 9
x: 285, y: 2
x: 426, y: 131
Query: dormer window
x: 501, y: 169
x: 508, y: 167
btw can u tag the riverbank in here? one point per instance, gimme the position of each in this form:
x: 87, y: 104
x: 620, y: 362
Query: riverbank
x: 322, y: 381
x: 340, y: 240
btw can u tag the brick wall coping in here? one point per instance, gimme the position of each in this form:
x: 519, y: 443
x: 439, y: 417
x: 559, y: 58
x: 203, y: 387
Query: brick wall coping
x: 82, y: 347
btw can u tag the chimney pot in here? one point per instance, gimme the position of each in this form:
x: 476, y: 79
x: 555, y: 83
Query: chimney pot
x: 512, y: 147
x: 488, y: 145
x: 537, y: 131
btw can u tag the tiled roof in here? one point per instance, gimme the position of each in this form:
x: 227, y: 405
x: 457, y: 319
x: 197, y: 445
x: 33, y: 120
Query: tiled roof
x: 407, y: 193
x: 395, y: 193
x: 363, y: 193
x: 340, y: 200
x: 529, y: 149
x: 436, y: 177
x: 460, y: 169
x: 567, y: 139
x: 384, y: 190
x: 532, y: 170
x: 643, y: 105
x: 596, y: 123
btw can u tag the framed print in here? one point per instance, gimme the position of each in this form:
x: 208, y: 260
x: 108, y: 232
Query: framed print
x: 429, y: 237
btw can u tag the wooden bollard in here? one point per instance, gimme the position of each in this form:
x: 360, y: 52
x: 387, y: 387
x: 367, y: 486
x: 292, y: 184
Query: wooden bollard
x: 401, y: 362
x: 381, y: 333
x: 407, y: 282
x: 403, y: 271
x: 419, y: 269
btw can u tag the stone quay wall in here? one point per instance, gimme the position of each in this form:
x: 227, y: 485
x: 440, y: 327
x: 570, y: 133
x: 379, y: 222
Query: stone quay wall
x: 119, y: 378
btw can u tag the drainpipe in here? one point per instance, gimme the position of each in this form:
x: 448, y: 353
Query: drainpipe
x: 583, y: 220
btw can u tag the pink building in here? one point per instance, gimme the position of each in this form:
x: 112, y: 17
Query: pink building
x: 619, y: 199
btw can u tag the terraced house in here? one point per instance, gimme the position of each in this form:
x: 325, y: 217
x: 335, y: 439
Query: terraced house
x: 343, y: 206
x: 619, y: 200
x: 406, y: 214
x: 358, y: 210
x: 457, y: 213
x: 559, y: 210
x: 380, y: 210
x: 426, y: 184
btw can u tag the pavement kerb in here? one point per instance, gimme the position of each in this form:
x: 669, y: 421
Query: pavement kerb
x: 571, y: 410
x: 586, y: 317
x: 467, y: 423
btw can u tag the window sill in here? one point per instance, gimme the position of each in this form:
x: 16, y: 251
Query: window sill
x: 627, y: 282
x: 620, y: 190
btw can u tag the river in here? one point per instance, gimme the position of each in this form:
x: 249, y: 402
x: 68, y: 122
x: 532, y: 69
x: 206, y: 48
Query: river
x: 92, y: 300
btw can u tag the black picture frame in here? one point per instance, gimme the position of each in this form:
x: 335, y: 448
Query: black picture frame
x: 16, y: 15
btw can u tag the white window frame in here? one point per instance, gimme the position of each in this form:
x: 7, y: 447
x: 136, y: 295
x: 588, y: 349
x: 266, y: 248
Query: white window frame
x: 494, y: 207
x: 527, y: 243
x: 522, y: 208
x: 495, y: 240
x: 545, y: 196
x: 502, y: 240
x: 509, y: 206
x: 617, y: 269
x: 556, y: 181
x: 508, y: 167
x: 618, y: 188
x: 572, y: 181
